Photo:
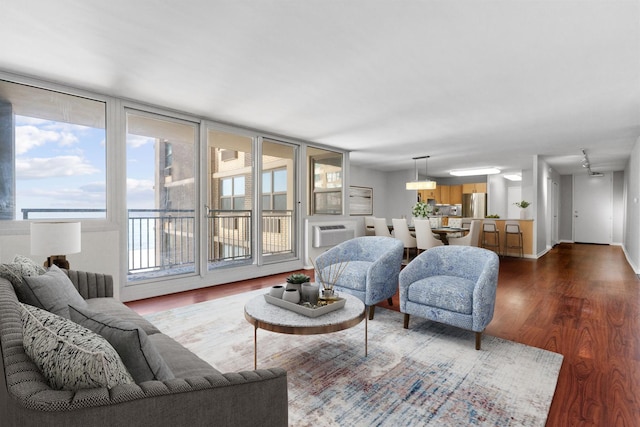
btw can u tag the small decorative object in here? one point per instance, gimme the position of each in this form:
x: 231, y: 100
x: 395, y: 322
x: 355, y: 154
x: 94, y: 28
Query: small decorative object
x: 329, y: 277
x: 276, y: 291
x: 296, y: 279
x: 523, y: 205
x: 309, y: 293
x: 493, y: 216
x: 291, y: 295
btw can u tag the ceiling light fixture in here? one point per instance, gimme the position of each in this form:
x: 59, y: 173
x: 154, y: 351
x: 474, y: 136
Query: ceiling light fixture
x: 512, y: 177
x: 587, y: 164
x: 427, y: 184
x: 470, y: 172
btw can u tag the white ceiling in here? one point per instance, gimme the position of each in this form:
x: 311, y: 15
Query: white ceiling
x: 471, y: 83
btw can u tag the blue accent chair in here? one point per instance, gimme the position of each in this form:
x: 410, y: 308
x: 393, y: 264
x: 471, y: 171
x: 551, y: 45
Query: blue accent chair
x: 455, y: 285
x: 372, y: 271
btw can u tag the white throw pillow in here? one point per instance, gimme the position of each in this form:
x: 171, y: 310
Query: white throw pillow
x: 52, y: 291
x: 70, y: 356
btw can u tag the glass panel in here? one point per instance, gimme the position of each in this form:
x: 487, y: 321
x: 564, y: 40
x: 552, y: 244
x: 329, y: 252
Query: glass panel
x: 229, y: 220
x: 160, y: 196
x: 278, y: 237
x: 266, y: 183
x: 266, y: 202
x: 326, y: 182
x: 52, y: 154
x: 279, y: 181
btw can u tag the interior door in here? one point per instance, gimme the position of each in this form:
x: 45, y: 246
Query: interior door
x: 592, y: 208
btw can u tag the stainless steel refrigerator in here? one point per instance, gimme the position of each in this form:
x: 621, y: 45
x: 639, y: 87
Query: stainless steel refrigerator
x: 474, y: 205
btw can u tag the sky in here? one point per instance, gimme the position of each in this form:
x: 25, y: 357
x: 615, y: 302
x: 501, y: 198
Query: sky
x: 61, y: 165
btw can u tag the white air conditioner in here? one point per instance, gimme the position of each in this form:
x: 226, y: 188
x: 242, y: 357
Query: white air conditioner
x: 331, y: 235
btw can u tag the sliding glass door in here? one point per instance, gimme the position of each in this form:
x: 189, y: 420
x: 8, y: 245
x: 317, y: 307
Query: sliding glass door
x: 161, y: 196
x: 229, y: 205
x: 278, y: 200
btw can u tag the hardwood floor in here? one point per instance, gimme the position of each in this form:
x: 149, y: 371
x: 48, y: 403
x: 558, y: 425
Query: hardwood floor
x: 582, y: 301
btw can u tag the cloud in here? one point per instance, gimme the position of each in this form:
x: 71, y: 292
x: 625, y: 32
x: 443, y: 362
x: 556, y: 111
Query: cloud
x: 61, y: 166
x: 136, y: 186
x: 28, y: 137
x: 137, y: 141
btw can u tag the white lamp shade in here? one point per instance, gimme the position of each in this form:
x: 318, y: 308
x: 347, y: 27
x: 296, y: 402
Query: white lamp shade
x: 421, y: 185
x: 55, y: 238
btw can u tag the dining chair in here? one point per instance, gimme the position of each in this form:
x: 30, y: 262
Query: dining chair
x: 369, y: 229
x: 401, y: 232
x: 455, y: 223
x: 424, y: 236
x: 471, y: 239
x: 381, y: 228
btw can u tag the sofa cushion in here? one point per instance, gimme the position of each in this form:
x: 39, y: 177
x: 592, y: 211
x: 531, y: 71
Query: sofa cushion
x: 115, y: 308
x: 139, y: 355
x: 70, y: 356
x: 446, y: 292
x: 19, y: 268
x: 182, y: 362
x: 52, y: 291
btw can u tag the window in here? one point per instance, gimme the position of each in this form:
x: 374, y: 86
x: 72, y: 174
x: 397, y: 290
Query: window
x: 326, y: 182
x: 160, y: 195
x: 232, y: 193
x: 52, y: 154
x: 274, y: 190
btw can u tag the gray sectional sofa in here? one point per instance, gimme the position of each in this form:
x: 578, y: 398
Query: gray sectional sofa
x: 198, y: 395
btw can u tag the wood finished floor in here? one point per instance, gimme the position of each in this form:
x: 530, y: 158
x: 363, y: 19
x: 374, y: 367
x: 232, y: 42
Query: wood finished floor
x: 582, y: 301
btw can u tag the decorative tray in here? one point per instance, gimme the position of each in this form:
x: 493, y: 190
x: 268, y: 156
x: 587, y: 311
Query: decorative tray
x: 306, y: 311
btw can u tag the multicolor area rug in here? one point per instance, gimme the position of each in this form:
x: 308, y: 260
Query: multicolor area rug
x: 430, y: 374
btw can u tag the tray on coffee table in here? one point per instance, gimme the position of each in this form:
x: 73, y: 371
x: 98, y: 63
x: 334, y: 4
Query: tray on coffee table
x: 306, y: 311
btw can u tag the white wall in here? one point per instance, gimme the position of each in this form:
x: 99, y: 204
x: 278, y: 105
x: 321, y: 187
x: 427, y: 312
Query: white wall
x: 497, y: 196
x: 617, y: 235
x: 631, y: 243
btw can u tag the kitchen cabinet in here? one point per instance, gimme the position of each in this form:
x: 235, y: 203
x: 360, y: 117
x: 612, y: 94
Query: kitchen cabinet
x: 455, y: 194
x: 474, y: 187
x: 429, y: 194
x: 444, y: 198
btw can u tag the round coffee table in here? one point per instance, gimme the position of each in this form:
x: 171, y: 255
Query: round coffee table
x: 269, y: 317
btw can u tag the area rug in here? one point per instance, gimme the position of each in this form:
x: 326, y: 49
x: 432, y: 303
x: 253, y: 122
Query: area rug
x: 430, y: 374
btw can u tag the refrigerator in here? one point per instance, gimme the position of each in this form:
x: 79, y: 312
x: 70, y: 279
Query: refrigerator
x: 474, y: 205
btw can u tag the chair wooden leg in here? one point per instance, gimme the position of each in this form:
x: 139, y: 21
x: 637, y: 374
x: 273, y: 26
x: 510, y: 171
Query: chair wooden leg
x: 406, y: 321
x: 478, y: 340
x: 372, y: 309
x: 390, y: 301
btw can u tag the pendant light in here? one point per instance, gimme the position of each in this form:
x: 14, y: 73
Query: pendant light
x: 421, y: 185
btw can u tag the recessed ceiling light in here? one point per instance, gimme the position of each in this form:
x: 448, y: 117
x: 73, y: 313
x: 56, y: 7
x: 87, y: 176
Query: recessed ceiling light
x: 469, y: 172
x: 512, y: 177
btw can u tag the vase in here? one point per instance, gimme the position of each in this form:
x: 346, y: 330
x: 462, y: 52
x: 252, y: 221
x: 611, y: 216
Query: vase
x: 276, y: 291
x: 291, y: 295
x: 295, y: 286
x: 309, y: 293
x: 523, y: 214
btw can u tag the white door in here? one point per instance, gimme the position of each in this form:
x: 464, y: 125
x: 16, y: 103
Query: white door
x: 592, y: 208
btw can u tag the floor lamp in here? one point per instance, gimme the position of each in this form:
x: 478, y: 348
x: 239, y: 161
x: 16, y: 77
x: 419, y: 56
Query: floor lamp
x: 55, y: 240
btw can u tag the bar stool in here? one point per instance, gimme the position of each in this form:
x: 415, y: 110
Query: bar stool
x: 513, y: 229
x: 490, y: 236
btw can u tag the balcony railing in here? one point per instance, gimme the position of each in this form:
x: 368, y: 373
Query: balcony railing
x: 163, y: 240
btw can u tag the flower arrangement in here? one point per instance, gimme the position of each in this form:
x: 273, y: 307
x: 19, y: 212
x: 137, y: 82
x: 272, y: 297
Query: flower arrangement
x: 523, y: 204
x: 298, y: 278
x: 421, y: 210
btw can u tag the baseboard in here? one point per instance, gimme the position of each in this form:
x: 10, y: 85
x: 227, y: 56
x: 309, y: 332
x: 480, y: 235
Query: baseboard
x: 634, y: 267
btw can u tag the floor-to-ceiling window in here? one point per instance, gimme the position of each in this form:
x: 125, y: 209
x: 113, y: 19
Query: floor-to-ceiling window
x: 161, y: 196
x: 278, y: 197
x: 52, y: 154
x: 229, y: 203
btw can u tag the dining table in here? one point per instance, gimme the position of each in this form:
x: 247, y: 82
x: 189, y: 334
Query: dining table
x: 445, y: 232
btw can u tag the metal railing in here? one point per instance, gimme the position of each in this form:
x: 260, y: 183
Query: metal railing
x: 164, y: 239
